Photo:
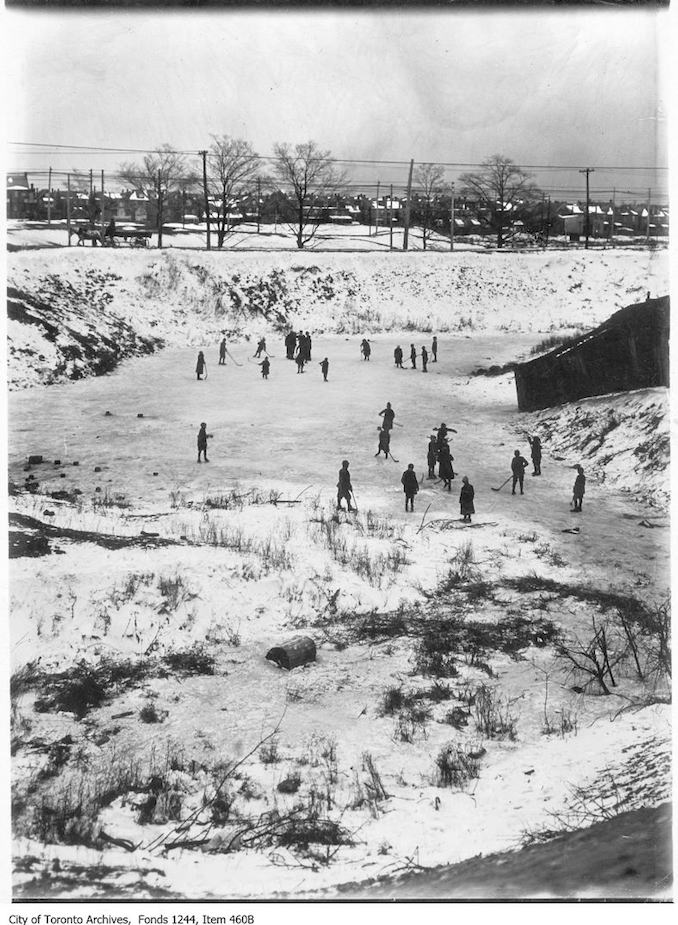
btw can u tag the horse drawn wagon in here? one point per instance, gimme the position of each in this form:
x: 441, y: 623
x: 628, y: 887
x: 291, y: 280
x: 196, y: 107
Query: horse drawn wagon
x: 132, y: 236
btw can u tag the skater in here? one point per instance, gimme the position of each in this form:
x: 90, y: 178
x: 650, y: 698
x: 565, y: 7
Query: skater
x: 434, y: 350
x: 365, y: 349
x: 442, y: 436
x: 202, y: 441
x: 308, y: 347
x: 578, y: 490
x: 410, y: 486
x: 265, y: 367
x: 200, y: 366
x: 398, y: 356
x: 413, y: 356
x: 432, y: 456
x: 466, y: 496
x: 388, y: 415
x: 424, y: 359
x: 222, y: 352
x: 535, y: 452
x: 290, y: 344
x: 384, y: 441
x: 344, y: 487
x: 518, y: 466
x: 302, y: 346
x: 300, y: 360
x: 324, y: 366
x: 261, y: 348
x: 445, y: 470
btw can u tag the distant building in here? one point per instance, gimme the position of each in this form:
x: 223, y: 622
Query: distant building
x: 22, y: 198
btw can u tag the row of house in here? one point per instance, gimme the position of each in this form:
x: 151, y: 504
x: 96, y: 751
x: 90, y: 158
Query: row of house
x: 26, y: 201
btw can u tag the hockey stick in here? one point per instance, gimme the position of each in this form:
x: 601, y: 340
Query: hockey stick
x: 355, y: 503
x: 502, y: 484
x: 392, y: 457
x: 233, y: 358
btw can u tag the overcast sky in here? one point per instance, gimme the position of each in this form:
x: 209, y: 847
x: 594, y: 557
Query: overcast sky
x: 563, y: 87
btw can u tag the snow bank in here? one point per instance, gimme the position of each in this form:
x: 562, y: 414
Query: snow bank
x: 139, y: 298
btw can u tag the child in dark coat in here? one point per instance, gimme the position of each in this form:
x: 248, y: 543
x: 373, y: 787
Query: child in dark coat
x: 202, y: 442
x: 466, y: 496
x: 410, y: 486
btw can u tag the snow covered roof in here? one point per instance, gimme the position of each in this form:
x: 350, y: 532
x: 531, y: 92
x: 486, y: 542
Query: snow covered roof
x: 17, y: 181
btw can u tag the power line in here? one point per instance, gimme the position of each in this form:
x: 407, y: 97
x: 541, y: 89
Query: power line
x: 90, y: 149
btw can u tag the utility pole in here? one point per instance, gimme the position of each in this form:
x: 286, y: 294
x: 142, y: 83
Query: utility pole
x: 103, y: 227
x: 258, y: 205
x: 548, y: 219
x: 90, y: 183
x: 614, y: 196
x: 376, y: 219
x: 49, y: 197
x: 390, y: 220
x: 208, y: 241
x: 68, y: 207
x: 452, y: 218
x: 587, y: 220
x: 159, y: 209
x: 406, y: 235
x: 649, y: 197
x: 183, y: 207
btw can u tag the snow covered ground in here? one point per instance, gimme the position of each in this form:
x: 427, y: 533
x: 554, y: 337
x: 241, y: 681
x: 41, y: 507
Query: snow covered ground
x: 167, y: 775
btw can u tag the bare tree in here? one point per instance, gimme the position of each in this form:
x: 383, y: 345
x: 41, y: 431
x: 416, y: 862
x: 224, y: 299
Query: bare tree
x: 500, y: 184
x: 160, y: 173
x: 232, y: 165
x: 428, y: 179
x: 313, y: 177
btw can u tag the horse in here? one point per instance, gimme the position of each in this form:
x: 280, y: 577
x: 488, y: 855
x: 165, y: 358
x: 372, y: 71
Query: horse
x: 87, y: 234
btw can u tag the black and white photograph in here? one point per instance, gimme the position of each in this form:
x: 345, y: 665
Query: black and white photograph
x: 283, y: 625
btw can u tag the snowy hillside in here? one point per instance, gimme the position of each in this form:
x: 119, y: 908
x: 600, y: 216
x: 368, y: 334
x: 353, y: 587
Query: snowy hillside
x: 127, y: 302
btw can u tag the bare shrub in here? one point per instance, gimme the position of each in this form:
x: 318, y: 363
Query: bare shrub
x: 493, y: 714
x: 455, y: 766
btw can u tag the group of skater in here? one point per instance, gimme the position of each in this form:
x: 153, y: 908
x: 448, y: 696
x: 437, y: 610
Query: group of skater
x: 298, y: 348
x: 423, y: 353
x: 398, y: 354
x: 439, y: 453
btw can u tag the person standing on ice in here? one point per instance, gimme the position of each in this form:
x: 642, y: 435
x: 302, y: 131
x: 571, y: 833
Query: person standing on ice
x: 384, y: 441
x: 432, y: 456
x: 410, y: 486
x: 442, y: 436
x: 344, y: 487
x: 398, y: 356
x: 445, y: 470
x: 308, y: 346
x: 388, y: 415
x: 413, y: 356
x: 261, y: 348
x: 290, y: 344
x: 365, y: 348
x: 518, y: 466
x: 324, y: 366
x: 200, y: 365
x: 202, y: 441
x: 466, y: 496
x: 424, y: 359
x: 535, y: 452
x: 222, y: 352
x: 265, y: 367
x: 434, y: 349
x: 578, y: 490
